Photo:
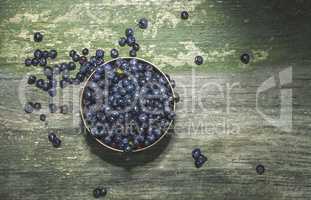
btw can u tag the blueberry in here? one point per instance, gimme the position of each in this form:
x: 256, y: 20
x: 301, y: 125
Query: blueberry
x: 132, y: 53
x: 56, y: 69
x: 72, y: 53
x: 200, y: 161
x: 45, y: 54
x: 37, y: 53
x: 40, y: 83
x: 56, y: 142
x: 53, y: 54
x: 122, y: 41
x: 31, y: 79
x: 85, y: 51
x: 71, y: 66
x: 28, y: 108
x: 184, y: 15
x: 38, y: 37
x: 42, y: 62
x: 48, y: 71
x: 245, y: 58
x: 198, y: 60
x: 52, y: 108
x: 114, y: 53
x: 51, y: 136
x: 63, y: 83
x: 143, y: 117
x: 136, y: 46
x: 75, y: 58
x: 43, y: 117
x: 143, y: 23
x: 99, y: 192
x: 99, y: 53
x: 63, y: 67
x: 196, y: 153
x: 130, y: 40
x: 64, y: 109
x: 37, y: 106
x: 28, y: 62
x: 35, y: 61
x: 52, y: 83
x: 260, y: 169
x: 80, y: 77
x: 129, y: 32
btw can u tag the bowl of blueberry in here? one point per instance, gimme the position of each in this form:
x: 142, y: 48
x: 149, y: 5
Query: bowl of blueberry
x: 128, y: 104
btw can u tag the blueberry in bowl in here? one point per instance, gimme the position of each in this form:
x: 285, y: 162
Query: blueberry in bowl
x: 127, y: 104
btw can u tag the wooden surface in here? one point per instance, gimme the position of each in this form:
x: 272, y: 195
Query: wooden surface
x: 276, y: 33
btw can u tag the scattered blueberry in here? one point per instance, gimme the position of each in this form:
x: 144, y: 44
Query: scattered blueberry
x: 99, y: 192
x: 129, y: 32
x: 198, y: 60
x: 28, y: 108
x: 42, y: 62
x: 114, y: 53
x: 75, y: 58
x: 45, y: 54
x: 43, y: 117
x: 53, y: 54
x: 132, y: 53
x: 37, y: 53
x: 51, y: 136
x: 40, y: 83
x: 37, y: 106
x: 85, y: 51
x: 31, y: 79
x: 143, y: 23
x: 130, y: 40
x: 72, y: 53
x: 136, y: 46
x: 28, y: 62
x: 38, y: 37
x: 245, y: 58
x: 260, y: 169
x: 56, y: 142
x: 35, y: 61
x: 100, y: 53
x: 200, y: 161
x: 122, y: 41
x: 184, y: 15
x: 196, y: 153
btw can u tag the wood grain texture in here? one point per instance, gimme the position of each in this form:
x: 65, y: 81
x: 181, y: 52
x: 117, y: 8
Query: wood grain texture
x: 226, y: 126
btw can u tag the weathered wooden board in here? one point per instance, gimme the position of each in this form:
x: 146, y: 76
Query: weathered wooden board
x: 225, y: 124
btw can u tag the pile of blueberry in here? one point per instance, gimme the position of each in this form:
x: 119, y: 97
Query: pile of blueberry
x: 198, y: 157
x: 128, y: 104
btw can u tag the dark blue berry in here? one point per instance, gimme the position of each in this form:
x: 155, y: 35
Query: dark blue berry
x: 130, y: 40
x: 199, y: 162
x: 114, y: 53
x: 52, y: 92
x: 143, y: 23
x: 31, y: 79
x: 28, y: 62
x: 85, y: 51
x: 198, y: 60
x: 71, y: 66
x: 51, y: 136
x: 75, y: 58
x: 132, y: 53
x: 45, y: 54
x: 99, y: 192
x: 40, y: 83
x: 37, y: 106
x: 184, y: 15
x: 43, y: 117
x: 129, y: 32
x: 99, y: 53
x: 72, y: 53
x: 196, y: 153
x: 56, y: 142
x: 42, y: 62
x: 136, y: 46
x: 56, y: 69
x: 35, y: 61
x: 53, y: 54
x: 37, y: 53
x: 48, y: 71
x: 63, y: 83
x: 80, y: 77
x: 122, y: 41
x: 260, y: 169
x: 38, y: 37
x: 245, y: 58
x: 63, y: 66
x: 28, y: 108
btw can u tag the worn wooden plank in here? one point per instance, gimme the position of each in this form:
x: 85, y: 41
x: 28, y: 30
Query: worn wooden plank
x: 230, y: 131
